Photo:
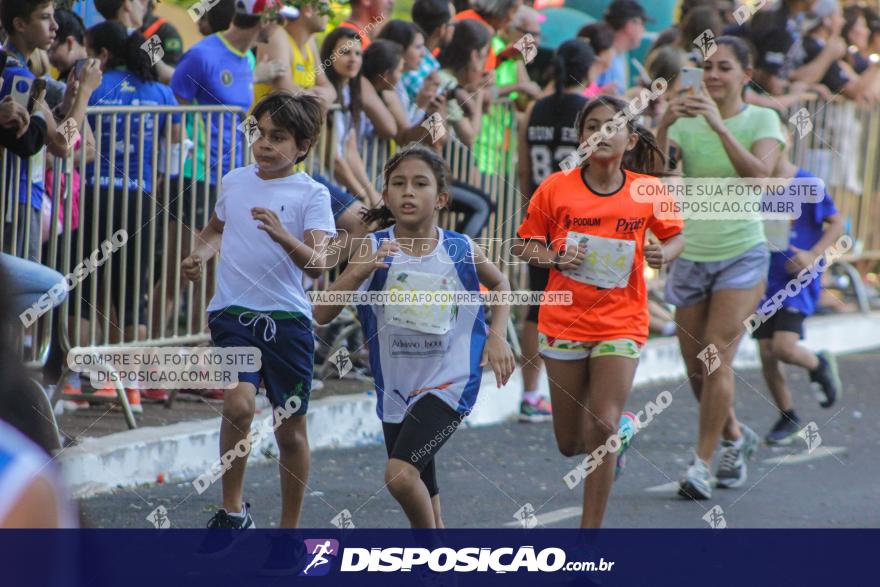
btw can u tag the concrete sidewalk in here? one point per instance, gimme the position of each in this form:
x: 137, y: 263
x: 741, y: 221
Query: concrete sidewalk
x: 184, y: 450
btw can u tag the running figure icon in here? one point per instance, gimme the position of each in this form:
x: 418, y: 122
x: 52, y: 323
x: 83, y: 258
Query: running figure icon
x: 320, y: 550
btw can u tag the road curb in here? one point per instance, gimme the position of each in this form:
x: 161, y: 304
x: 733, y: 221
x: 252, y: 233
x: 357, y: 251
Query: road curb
x: 185, y: 450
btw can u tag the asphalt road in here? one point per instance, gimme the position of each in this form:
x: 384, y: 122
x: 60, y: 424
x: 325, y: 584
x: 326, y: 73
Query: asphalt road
x: 487, y: 475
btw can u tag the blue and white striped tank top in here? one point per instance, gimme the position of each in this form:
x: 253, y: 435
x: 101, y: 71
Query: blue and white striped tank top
x: 409, y: 363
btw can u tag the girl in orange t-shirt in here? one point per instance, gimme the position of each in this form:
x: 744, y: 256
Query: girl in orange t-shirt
x: 585, y: 225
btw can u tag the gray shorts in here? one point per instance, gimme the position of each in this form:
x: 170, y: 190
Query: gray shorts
x: 690, y: 282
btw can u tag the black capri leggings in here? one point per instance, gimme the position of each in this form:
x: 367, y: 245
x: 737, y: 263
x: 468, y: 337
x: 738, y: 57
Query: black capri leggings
x: 424, y: 429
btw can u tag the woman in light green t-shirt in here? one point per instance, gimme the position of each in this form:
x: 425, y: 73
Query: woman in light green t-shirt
x: 720, y: 277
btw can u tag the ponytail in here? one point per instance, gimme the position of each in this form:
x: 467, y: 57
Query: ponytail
x: 571, y: 65
x: 646, y: 157
x: 560, y: 76
x: 123, y: 50
x: 136, y: 59
x: 381, y: 216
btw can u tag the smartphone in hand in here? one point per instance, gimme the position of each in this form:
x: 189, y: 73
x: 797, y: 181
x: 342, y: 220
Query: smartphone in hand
x: 37, y: 89
x: 78, y: 67
x: 690, y: 81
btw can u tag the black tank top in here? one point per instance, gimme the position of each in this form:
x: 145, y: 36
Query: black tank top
x: 551, y: 135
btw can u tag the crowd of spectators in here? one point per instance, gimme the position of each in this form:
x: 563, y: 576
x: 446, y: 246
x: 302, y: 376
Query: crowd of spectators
x: 455, y: 65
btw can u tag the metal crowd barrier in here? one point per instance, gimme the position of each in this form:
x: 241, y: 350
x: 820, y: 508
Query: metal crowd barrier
x: 840, y: 145
x: 162, y: 221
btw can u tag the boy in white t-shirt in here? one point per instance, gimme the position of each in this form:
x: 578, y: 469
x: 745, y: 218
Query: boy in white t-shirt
x: 270, y: 225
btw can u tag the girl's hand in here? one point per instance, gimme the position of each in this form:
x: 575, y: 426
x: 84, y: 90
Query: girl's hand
x: 498, y: 353
x: 90, y: 77
x: 192, y: 267
x: 271, y: 224
x: 376, y: 261
x: 703, y: 105
x: 673, y: 112
x: 572, y: 258
x: 655, y: 255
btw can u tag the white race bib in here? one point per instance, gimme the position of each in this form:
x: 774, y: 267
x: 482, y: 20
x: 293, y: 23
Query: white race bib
x: 430, y: 319
x: 778, y: 234
x: 608, y: 261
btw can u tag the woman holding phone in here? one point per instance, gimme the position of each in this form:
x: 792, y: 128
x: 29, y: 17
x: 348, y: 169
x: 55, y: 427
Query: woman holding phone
x: 719, y: 278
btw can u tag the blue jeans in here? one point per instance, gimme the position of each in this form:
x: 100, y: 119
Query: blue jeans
x: 28, y: 281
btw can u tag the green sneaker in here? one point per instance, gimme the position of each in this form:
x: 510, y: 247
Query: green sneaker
x: 540, y: 411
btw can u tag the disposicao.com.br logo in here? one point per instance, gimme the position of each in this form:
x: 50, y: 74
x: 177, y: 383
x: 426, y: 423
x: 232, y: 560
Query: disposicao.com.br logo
x: 468, y: 559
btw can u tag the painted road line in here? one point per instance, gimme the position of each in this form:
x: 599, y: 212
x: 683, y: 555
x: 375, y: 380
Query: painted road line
x: 551, y: 517
x: 805, y: 456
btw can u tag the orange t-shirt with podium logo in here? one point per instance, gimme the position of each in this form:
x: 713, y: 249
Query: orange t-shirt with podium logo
x: 609, y: 297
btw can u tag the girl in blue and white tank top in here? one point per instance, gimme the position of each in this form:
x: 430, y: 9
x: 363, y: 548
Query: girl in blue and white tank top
x: 427, y: 359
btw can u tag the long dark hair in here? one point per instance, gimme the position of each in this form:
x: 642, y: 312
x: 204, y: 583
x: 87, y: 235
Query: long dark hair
x: 571, y: 65
x: 354, y: 85
x: 646, y: 157
x: 123, y: 49
x: 468, y: 36
x: 382, y: 215
x: 380, y: 58
x: 401, y: 32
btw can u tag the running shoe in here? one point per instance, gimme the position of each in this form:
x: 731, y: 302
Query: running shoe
x: 540, y: 411
x: 134, y: 399
x: 286, y: 555
x: 626, y: 432
x: 217, y: 543
x: 732, y: 469
x: 784, y: 431
x: 154, y: 395
x: 133, y: 395
x: 826, y: 380
x: 73, y: 387
x: 696, y: 483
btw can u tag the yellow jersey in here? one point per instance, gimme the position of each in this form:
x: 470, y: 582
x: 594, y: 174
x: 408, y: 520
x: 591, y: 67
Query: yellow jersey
x: 303, y: 69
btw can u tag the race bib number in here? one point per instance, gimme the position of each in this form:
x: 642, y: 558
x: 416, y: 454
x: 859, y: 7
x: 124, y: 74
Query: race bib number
x: 427, y: 318
x: 778, y: 234
x: 608, y: 261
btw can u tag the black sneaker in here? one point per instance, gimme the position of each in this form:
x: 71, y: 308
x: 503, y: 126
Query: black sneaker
x: 826, y: 380
x: 221, y: 541
x: 784, y: 431
x: 286, y: 556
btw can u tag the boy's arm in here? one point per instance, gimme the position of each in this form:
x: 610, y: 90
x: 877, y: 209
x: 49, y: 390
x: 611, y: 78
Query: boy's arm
x: 308, y: 254
x: 497, y: 350
x: 803, y: 259
x: 834, y: 229
x: 207, y: 245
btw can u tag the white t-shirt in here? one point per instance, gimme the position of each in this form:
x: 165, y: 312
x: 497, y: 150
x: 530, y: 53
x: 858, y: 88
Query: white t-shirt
x: 254, y: 271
